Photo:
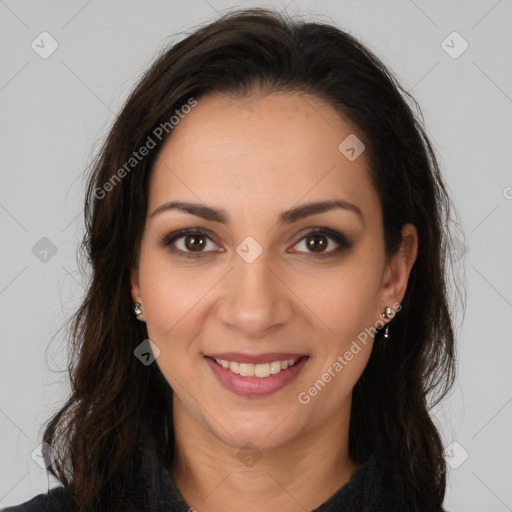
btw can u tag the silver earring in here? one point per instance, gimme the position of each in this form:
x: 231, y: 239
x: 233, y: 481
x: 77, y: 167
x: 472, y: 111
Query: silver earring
x: 387, y: 314
x: 137, y: 309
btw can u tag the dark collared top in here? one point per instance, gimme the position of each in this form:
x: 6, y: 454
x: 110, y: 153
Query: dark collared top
x: 154, y: 491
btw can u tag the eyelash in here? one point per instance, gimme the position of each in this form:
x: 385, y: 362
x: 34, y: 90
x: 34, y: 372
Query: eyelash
x: 341, y: 240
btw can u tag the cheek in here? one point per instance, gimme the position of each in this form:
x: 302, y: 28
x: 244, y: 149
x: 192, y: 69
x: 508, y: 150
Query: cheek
x: 172, y: 295
x: 168, y: 286
x: 172, y: 302
x: 344, y: 299
x: 345, y: 302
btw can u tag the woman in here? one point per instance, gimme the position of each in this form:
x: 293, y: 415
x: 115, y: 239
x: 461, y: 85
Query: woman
x: 267, y: 323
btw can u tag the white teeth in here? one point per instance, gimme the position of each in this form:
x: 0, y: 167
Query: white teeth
x: 275, y: 367
x: 246, y: 370
x: 260, y: 370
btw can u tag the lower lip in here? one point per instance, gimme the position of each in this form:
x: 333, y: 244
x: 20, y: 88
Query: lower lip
x: 256, y: 386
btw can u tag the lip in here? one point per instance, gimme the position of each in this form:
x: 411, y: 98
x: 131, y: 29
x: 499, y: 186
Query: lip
x: 255, y: 386
x: 268, y: 357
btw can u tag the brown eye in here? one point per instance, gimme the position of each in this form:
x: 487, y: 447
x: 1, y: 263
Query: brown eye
x: 190, y: 243
x: 316, y: 243
x: 195, y: 242
x: 323, y: 242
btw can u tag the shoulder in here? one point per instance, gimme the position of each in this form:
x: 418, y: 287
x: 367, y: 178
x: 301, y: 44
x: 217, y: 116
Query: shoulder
x: 58, y: 499
x: 368, y: 489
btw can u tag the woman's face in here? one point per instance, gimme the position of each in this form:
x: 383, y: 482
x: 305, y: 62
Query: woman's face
x: 254, y: 288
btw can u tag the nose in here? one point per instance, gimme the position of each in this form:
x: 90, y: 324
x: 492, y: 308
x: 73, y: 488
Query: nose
x: 256, y: 300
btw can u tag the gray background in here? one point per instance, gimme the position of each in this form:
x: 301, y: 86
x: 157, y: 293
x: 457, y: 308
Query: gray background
x: 55, y: 111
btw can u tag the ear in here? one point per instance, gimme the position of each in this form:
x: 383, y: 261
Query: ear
x: 134, y: 284
x: 399, y: 268
x: 135, y: 290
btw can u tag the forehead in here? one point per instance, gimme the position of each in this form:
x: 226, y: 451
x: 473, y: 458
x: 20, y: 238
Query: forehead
x: 259, y: 151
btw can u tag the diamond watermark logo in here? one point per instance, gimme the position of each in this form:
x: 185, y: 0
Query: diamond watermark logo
x: 458, y: 249
x: 44, y: 250
x: 351, y: 147
x: 454, y: 45
x: 249, y: 250
x: 44, y: 455
x: 44, y: 45
x: 455, y: 455
x: 249, y: 455
x: 147, y: 352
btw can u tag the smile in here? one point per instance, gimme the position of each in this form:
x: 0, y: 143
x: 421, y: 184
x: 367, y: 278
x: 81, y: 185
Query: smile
x: 261, y: 370
x: 256, y: 379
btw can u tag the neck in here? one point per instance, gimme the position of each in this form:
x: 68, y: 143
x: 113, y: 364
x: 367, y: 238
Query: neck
x: 300, y: 475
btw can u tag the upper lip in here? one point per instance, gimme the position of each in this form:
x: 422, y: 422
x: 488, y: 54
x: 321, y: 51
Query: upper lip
x: 267, y: 357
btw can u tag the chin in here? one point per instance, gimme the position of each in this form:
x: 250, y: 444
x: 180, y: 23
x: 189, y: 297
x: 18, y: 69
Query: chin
x: 261, y: 433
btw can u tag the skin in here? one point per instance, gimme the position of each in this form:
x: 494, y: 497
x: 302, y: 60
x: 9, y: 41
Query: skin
x: 254, y: 158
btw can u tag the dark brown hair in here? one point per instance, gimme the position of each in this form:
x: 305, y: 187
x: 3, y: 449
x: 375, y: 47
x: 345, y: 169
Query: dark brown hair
x: 115, y: 399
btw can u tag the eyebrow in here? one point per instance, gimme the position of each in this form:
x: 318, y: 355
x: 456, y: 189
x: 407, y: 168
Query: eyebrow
x: 286, y: 217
